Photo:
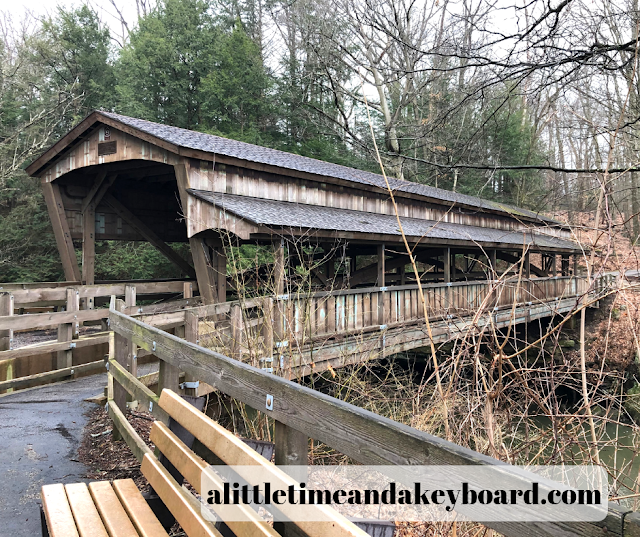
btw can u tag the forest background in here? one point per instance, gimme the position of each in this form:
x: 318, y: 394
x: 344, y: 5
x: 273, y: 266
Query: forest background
x: 536, y: 103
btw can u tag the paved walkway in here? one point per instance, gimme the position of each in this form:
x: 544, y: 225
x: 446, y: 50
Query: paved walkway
x: 40, y: 431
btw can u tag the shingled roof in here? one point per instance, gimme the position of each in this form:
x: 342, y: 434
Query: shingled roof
x: 290, y: 161
x: 288, y: 215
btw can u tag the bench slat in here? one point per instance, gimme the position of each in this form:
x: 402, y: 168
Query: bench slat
x: 234, y: 452
x: 138, y: 509
x: 113, y: 514
x: 184, y: 507
x: 191, y: 467
x: 84, y: 511
x: 58, y: 512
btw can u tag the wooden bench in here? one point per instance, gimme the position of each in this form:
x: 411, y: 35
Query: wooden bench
x: 118, y: 509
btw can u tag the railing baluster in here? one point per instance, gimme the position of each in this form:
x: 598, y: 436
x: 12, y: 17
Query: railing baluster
x: 66, y: 331
x: 292, y: 451
x: 6, y: 309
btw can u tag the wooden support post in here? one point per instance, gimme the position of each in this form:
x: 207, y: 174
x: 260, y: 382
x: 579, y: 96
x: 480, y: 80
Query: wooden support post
x: 527, y: 266
x: 331, y: 272
x: 381, y: 282
x: 221, y: 271
x: 279, y: 268
x: 6, y: 308
x: 493, y: 262
x: 187, y: 290
x: 132, y: 356
x: 236, y: 331
x: 190, y: 334
x: 204, y: 271
x: 575, y: 265
x: 279, y: 288
x: 66, y: 332
x: 60, y: 226
x: 564, y: 265
x: 291, y: 450
x: 403, y: 275
x: 267, y: 330
x: 89, y: 249
x: 453, y: 266
x: 121, y: 355
x: 447, y: 265
x: 554, y: 269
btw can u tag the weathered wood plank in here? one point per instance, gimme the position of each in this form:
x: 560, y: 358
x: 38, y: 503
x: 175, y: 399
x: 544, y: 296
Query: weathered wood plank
x: 191, y: 467
x: 85, y: 513
x: 47, y: 320
x: 57, y: 511
x: 184, y: 507
x: 58, y: 374
x: 138, y: 510
x: 67, y: 331
x: 48, y: 347
x: 233, y: 451
x: 126, y: 430
x: 137, y: 390
x: 6, y: 310
x: 61, y: 231
x: 113, y: 515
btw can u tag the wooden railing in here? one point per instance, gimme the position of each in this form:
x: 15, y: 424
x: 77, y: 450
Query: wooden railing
x: 295, y: 327
x: 300, y: 413
x: 343, y: 311
x: 70, y: 354
x: 255, y: 330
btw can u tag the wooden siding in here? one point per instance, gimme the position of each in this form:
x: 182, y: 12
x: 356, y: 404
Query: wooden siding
x: 244, y: 182
x: 85, y: 153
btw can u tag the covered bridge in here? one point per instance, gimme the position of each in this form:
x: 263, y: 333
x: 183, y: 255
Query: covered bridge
x: 117, y: 177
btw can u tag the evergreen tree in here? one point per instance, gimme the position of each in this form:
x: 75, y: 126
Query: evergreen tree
x: 161, y: 70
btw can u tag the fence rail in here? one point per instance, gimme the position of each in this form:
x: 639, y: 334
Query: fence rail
x: 256, y: 330
x: 71, y: 352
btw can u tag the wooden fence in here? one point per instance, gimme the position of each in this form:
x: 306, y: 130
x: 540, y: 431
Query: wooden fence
x: 300, y: 413
x: 292, y: 333
x: 71, y: 354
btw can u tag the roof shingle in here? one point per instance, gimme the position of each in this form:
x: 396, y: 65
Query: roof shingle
x: 241, y: 150
x: 297, y: 215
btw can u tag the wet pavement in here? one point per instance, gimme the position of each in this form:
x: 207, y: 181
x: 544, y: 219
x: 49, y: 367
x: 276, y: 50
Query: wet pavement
x: 40, y: 432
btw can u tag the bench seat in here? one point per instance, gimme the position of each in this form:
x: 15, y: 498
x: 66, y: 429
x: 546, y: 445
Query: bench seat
x: 100, y: 509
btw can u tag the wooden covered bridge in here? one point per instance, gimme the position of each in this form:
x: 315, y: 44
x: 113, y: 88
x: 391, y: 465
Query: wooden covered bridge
x: 337, y: 286
x: 334, y: 285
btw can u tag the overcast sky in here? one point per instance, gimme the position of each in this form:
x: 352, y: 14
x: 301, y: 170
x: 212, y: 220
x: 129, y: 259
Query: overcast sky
x: 18, y: 8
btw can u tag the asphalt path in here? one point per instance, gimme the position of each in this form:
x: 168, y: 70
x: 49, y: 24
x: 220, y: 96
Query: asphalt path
x: 40, y: 432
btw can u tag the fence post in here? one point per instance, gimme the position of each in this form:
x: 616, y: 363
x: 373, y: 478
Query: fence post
x: 67, y: 331
x: 132, y: 354
x: 169, y: 375
x: 267, y: 330
x: 236, y: 331
x: 291, y: 449
x: 187, y: 290
x: 120, y: 354
x: 6, y: 309
x: 191, y: 335
x: 381, y: 281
